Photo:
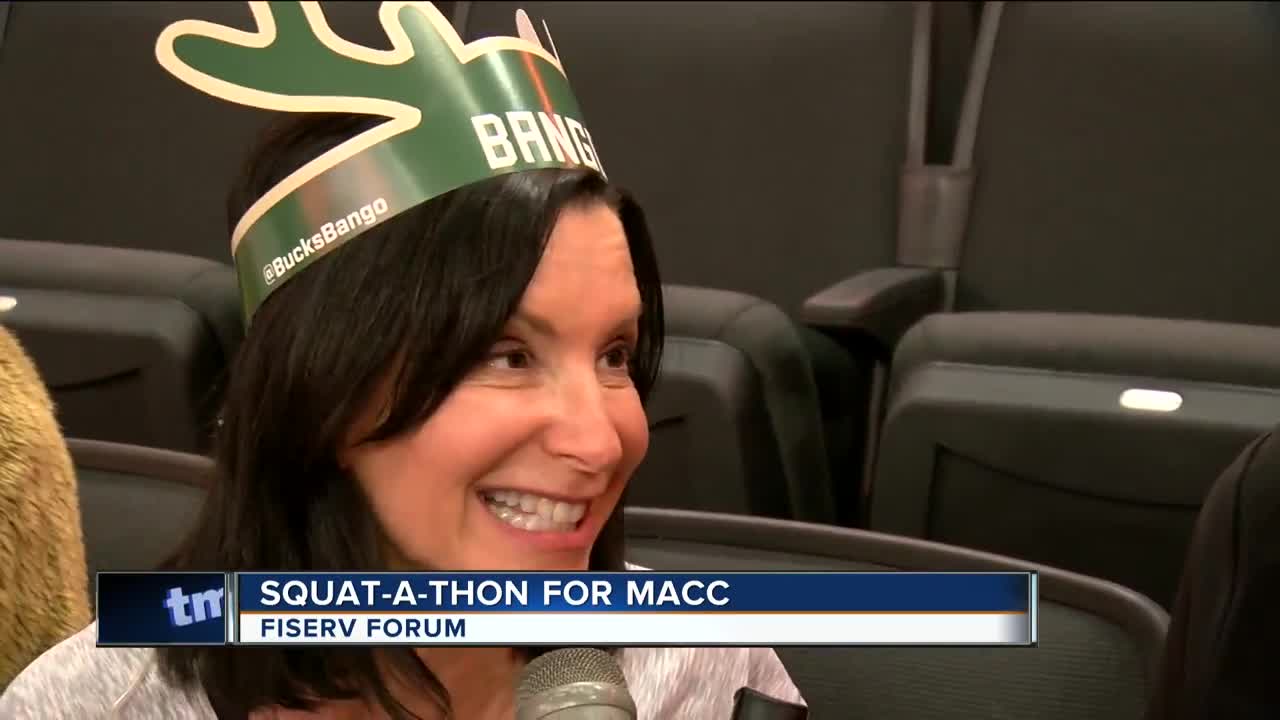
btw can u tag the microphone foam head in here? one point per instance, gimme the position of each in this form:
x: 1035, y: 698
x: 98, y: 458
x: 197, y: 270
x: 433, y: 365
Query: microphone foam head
x: 566, y: 666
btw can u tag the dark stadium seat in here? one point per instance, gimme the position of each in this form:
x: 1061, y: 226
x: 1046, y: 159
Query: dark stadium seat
x: 1114, y: 339
x: 1223, y: 632
x: 765, y: 141
x: 1032, y: 418
x: 1099, y: 643
x: 729, y: 413
x: 133, y: 345
x: 121, y: 483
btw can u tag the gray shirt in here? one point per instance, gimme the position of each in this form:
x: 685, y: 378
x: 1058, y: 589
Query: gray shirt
x: 76, y: 679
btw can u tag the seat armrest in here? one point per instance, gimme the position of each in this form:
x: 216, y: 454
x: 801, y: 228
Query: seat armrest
x: 882, y: 303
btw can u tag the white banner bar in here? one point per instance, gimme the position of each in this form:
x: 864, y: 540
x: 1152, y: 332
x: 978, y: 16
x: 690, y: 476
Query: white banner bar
x: 687, y: 629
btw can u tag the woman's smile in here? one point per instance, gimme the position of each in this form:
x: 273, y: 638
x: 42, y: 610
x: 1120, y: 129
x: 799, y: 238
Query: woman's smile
x: 534, y: 513
x: 537, y: 531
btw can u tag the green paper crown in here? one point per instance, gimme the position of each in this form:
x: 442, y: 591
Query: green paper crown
x: 458, y: 113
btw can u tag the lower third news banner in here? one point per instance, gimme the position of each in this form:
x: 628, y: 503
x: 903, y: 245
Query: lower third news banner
x: 559, y: 609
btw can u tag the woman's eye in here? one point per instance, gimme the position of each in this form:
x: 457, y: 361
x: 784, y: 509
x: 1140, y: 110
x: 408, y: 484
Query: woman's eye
x: 618, y: 358
x: 510, y: 360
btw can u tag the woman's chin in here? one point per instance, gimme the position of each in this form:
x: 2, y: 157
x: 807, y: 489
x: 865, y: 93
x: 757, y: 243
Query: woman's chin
x: 553, y: 564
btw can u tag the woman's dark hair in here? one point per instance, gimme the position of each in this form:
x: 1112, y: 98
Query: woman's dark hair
x: 417, y: 300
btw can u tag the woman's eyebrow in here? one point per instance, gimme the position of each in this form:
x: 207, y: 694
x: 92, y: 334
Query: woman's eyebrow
x: 536, y: 323
x: 545, y: 327
x: 628, y: 323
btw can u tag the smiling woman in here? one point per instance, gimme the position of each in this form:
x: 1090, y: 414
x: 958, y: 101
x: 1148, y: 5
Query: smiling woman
x: 460, y: 388
x: 494, y: 342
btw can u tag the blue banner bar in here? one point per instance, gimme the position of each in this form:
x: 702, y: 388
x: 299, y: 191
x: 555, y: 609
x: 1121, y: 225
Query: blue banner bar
x: 161, y: 608
x: 636, y: 592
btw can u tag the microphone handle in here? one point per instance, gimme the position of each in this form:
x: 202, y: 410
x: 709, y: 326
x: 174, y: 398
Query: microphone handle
x: 751, y: 705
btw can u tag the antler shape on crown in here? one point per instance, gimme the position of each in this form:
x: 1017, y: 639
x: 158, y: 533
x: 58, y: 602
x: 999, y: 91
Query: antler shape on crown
x: 457, y: 113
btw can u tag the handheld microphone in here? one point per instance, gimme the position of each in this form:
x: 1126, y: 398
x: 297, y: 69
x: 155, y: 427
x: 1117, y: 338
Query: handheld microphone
x: 751, y: 705
x: 574, y: 684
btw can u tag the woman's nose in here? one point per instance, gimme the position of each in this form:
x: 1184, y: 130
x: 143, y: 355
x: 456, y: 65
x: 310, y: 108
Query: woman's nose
x: 583, y: 432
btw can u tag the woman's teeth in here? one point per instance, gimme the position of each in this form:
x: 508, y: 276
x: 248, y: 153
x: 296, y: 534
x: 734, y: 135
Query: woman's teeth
x: 533, y: 512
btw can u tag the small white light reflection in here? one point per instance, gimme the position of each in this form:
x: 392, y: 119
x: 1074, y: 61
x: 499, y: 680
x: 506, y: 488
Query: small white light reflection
x: 1150, y: 400
x: 7, y: 303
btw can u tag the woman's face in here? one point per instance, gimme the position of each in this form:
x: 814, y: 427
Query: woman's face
x: 523, y: 463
